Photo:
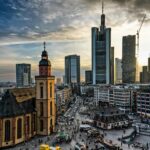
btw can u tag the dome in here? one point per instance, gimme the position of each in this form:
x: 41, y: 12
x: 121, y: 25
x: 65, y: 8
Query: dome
x: 44, y: 62
x: 44, y: 54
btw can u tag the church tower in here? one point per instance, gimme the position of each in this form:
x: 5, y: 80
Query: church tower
x: 45, y: 96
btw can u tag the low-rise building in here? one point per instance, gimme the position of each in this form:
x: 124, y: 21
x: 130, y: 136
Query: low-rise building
x: 121, y: 97
x: 110, y: 117
x: 63, y: 97
x: 143, y: 103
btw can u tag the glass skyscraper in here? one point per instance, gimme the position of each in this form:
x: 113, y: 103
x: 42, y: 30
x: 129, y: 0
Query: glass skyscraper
x: 101, y: 54
x: 23, y: 75
x: 72, y: 69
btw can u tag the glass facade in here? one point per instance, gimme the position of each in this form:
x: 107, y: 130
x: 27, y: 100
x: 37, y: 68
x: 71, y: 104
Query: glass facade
x: 72, y: 69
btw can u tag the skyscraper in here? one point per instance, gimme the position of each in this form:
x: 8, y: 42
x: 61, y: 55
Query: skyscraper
x: 72, y: 69
x: 101, y: 47
x: 118, y: 70
x: 129, y: 59
x: 88, y: 76
x: 23, y: 75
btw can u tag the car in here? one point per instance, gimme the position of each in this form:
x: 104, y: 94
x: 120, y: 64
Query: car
x: 80, y: 146
x: 84, y: 127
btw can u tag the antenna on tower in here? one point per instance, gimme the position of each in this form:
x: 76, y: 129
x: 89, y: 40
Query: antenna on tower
x: 102, y: 6
x: 44, y: 45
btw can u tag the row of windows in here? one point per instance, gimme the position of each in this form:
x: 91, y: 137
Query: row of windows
x: 42, y: 109
x: 19, y: 128
x: 42, y: 91
x: 42, y: 124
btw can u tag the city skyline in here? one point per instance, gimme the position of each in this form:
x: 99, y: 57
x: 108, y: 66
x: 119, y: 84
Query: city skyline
x: 25, y: 25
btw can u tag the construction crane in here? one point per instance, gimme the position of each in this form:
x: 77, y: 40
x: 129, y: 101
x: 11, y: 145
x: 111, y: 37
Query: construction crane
x: 138, y: 32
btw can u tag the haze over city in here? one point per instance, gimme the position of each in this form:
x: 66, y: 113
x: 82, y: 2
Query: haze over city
x: 65, y: 25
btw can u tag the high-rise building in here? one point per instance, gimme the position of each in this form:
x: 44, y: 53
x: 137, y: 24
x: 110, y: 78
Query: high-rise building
x: 145, y: 74
x: 72, y: 69
x: 118, y: 70
x: 129, y: 59
x: 88, y: 77
x: 23, y: 75
x: 45, y: 97
x: 101, y: 53
x: 112, y: 65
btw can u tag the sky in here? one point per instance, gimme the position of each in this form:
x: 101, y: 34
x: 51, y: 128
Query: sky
x: 65, y: 25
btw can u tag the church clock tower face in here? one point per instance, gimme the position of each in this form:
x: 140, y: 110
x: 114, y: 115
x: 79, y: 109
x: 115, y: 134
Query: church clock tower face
x: 45, y: 96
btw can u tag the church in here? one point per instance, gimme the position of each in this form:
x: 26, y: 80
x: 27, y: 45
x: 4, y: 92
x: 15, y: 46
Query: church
x: 26, y: 112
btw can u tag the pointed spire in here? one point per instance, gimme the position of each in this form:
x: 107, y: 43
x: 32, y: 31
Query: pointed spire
x: 44, y: 46
x: 102, y: 7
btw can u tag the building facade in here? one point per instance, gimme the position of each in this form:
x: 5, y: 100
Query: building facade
x: 145, y: 74
x: 88, y: 77
x: 23, y: 75
x: 118, y: 71
x: 72, y: 69
x: 129, y: 59
x: 45, y: 97
x: 117, y: 96
x: 26, y: 112
x: 143, y: 103
x: 63, y: 98
x: 101, y: 53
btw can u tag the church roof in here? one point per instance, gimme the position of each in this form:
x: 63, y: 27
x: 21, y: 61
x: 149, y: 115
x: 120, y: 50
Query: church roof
x: 17, y: 102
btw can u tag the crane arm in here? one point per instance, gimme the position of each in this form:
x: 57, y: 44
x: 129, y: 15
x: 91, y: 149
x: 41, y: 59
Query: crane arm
x: 142, y: 23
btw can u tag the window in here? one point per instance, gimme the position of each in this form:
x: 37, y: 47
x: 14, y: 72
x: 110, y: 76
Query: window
x: 34, y: 121
x: 50, y: 89
x: 41, y: 92
x: 7, y: 130
x: 19, y: 128
x: 28, y: 125
x: 41, y: 108
x: 41, y: 125
x: 51, y: 108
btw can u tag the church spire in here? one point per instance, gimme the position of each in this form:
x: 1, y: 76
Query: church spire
x: 44, y: 43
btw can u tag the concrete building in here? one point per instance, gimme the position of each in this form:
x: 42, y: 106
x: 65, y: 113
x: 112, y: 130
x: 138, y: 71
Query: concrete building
x: 88, y: 77
x: 23, y: 75
x: 63, y: 98
x: 101, y: 53
x: 129, y: 59
x: 112, y: 65
x: 143, y: 103
x: 145, y: 74
x: 117, y: 96
x: 72, y: 69
x: 121, y: 98
x: 101, y: 94
x: 118, y: 71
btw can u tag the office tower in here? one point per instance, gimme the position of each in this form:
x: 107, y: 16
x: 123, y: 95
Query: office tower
x: 72, y: 69
x: 112, y: 65
x: 144, y: 75
x: 101, y: 49
x: 129, y: 59
x: 118, y: 70
x: 149, y: 64
x: 23, y: 75
x: 88, y: 77
x: 45, y: 97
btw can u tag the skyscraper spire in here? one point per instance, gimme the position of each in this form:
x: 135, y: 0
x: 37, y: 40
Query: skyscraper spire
x: 102, y: 7
x: 102, y: 17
